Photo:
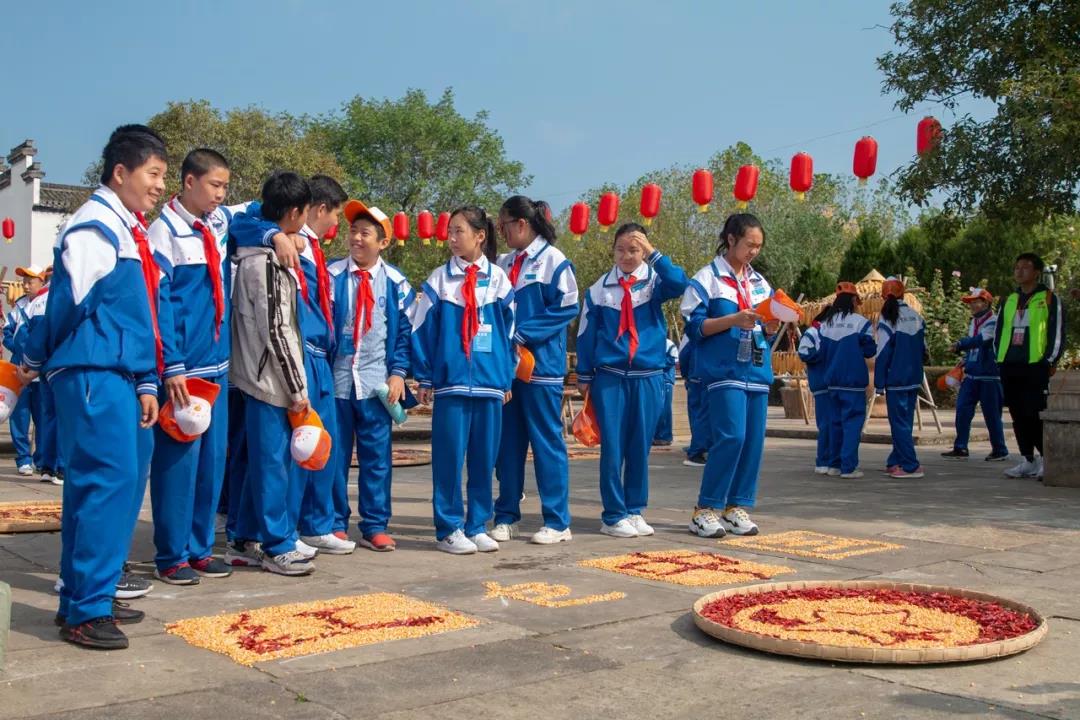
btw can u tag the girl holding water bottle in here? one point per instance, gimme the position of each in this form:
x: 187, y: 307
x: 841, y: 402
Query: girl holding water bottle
x: 733, y: 362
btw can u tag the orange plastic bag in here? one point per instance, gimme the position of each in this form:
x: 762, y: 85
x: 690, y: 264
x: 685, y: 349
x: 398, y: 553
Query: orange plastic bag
x: 586, y: 428
x: 952, y: 379
x: 779, y: 307
x: 525, y: 366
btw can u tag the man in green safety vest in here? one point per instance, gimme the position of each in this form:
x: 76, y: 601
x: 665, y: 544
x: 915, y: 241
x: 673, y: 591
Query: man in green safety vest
x: 1030, y: 329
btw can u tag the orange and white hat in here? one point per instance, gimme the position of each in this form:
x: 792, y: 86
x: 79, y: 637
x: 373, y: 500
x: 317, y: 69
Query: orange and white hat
x: 33, y: 271
x: 354, y: 209
x: 847, y: 288
x: 779, y: 307
x: 311, y: 444
x: 978, y: 294
x: 187, y: 423
x: 893, y: 287
x: 10, y: 388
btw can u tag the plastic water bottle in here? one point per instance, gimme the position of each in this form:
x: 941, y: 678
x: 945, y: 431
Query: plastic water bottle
x: 397, y: 413
x: 745, y: 346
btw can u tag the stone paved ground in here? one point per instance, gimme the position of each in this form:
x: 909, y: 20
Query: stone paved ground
x: 641, y: 656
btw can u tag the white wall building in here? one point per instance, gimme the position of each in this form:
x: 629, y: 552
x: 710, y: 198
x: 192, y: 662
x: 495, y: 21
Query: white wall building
x: 38, y: 209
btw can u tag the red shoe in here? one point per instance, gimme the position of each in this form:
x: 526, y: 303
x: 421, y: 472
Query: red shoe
x: 890, y: 470
x: 901, y: 474
x: 379, y: 542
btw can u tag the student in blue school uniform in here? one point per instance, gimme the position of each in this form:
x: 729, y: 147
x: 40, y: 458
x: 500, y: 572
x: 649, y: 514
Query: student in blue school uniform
x: 846, y: 341
x: 26, y: 409
x: 371, y: 303
x: 663, y: 435
x: 898, y: 374
x: 545, y: 297
x: 267, y: 365
x: 982, y: 379
x: 621, y: 355
x: 318, y: 503
x: 810, y: 352
x: 462, y: 356
x: 98, y: 345
x: 189, y: 240
x: 697, y: 407
x: 734, y: 363
x: 47, y: 454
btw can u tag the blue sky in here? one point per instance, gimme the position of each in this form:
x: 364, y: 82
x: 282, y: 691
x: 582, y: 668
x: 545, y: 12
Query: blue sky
x: 583, y: 92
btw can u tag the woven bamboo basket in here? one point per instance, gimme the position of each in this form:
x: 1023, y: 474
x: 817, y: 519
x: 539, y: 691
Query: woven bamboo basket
x: 890, y: 656
x: 13, y: 517
x: 870, y: 291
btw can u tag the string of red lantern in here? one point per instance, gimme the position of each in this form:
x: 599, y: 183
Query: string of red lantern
x: 702, y: 189
x: 802, y: 174
x: 608, y: 212
x: 864, y: 164
x: 650, y: 202
x: 401, y: 227
x: 442, y: 229
x: 927, y: 135
x: 8, y: 229
x: 579, y: 219
x: 425, y: 226
x: 746, y: 181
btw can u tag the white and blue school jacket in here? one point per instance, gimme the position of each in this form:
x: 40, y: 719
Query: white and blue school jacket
x: 438, y: 358
x: 714, y: 293
x: 98, y: 314
x: 846, y: 342
x: 15, y: 326
x: 980, y: 353
x: 191, y: 343
x: 672, y: 360
x: 251, y: 229
x: 545, y: 299
x: 900, y: 350
x: 392, y: 304
x: 686, y: 356
x: 810, y: 352
x: 599, y: 346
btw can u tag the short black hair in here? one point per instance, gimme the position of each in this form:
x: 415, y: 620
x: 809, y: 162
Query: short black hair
x: 282, y: 192
x: 325, y: 190
x: 131, y: 146
x: 201, y: 161
x: 1035, y: 260
x: 629, y: 228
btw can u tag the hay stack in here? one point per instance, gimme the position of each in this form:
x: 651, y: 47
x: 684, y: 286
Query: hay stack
x: 870, y: 291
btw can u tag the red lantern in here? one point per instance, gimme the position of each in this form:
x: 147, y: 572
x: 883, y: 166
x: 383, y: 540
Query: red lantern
x: 9, y: 229
x: 650, y: 202
x: 746, y: 184
x: 928, y: 135
x: 865, y: 163
x: 442, y: 228
x: 425, y: 226
x: 401, y: 227
x: 608, y: 212
x: 802, y: 174
x: 702, y: 189
x: 579, y: 219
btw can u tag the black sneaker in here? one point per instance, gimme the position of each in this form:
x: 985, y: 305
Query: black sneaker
x: 122, y: 613
x: 661, y: 443
x: 100, y: 633
x: 956, y: 454
x: 181, y: 574
x: 132, y: 586
x: 997, y: 457
x: 695, y: 460
x: 211, y: 567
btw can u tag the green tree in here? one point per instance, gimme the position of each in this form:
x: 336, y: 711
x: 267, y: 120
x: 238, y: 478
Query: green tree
x: 1024, y: 58
x: 814, y: 282
x: 255, y: 142
x: 864, y: 254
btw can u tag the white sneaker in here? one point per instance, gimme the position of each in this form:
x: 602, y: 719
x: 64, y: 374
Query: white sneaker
x: 706, y: 523
x: 288, y: 563
x: 249, y: 555
x: 1040, y: 466
x: 503, y: 532
x: 1026, y: 468
x: 621, y: 529
x: 833, y: 472
x: 56, y: 480
x: 46, y: 477
x: 550, y: 536
x: 306, y: 550
x: 737, y: 522
x: 821, y: 470
x: 456, y: 544
x: 26, y: 470
x: 853, y: 475
x: 329, y: 544
x: 643, y: 528
x: 484, y: 543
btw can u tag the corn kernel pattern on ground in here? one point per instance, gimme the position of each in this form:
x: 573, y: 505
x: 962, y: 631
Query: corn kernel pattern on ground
x: 687, y: 567
x: 284, y: 631
x: 32, y: 516
x: 804, y: 543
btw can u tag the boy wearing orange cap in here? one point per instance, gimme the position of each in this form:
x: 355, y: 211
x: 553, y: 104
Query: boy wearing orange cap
x: 371, y: 299
x: 982, y: 379
x: 33, y: 280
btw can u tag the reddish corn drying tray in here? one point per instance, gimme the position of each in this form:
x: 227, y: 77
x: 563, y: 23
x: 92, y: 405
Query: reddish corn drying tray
x: 36, y: 516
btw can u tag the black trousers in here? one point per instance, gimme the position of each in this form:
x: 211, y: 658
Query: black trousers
x: 1026, y: 388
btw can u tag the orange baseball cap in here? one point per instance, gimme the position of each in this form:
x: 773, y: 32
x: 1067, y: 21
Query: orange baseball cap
x: 34, y: 271
x: 846, y: 288
x: 355, y: 208
x: 978, y: 294
x: 893, y: 287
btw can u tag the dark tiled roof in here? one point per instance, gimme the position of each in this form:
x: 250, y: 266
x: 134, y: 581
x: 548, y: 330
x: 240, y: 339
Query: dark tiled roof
x: 62, y: 198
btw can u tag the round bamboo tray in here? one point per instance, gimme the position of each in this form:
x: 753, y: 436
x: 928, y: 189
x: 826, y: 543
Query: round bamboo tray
x: 883, y: 655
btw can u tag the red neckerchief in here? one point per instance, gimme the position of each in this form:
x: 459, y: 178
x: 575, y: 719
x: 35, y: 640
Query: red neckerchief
x: 470, y: 321
x: 322, y: 276
x: 151, y: 278
x: 365, y: 300
x: 213, y: 269
x: 978, y: 323
x: 627, y: 324
x: 516, y: 269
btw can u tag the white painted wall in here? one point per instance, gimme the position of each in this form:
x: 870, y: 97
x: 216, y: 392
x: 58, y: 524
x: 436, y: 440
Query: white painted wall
x: 35, y: 230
